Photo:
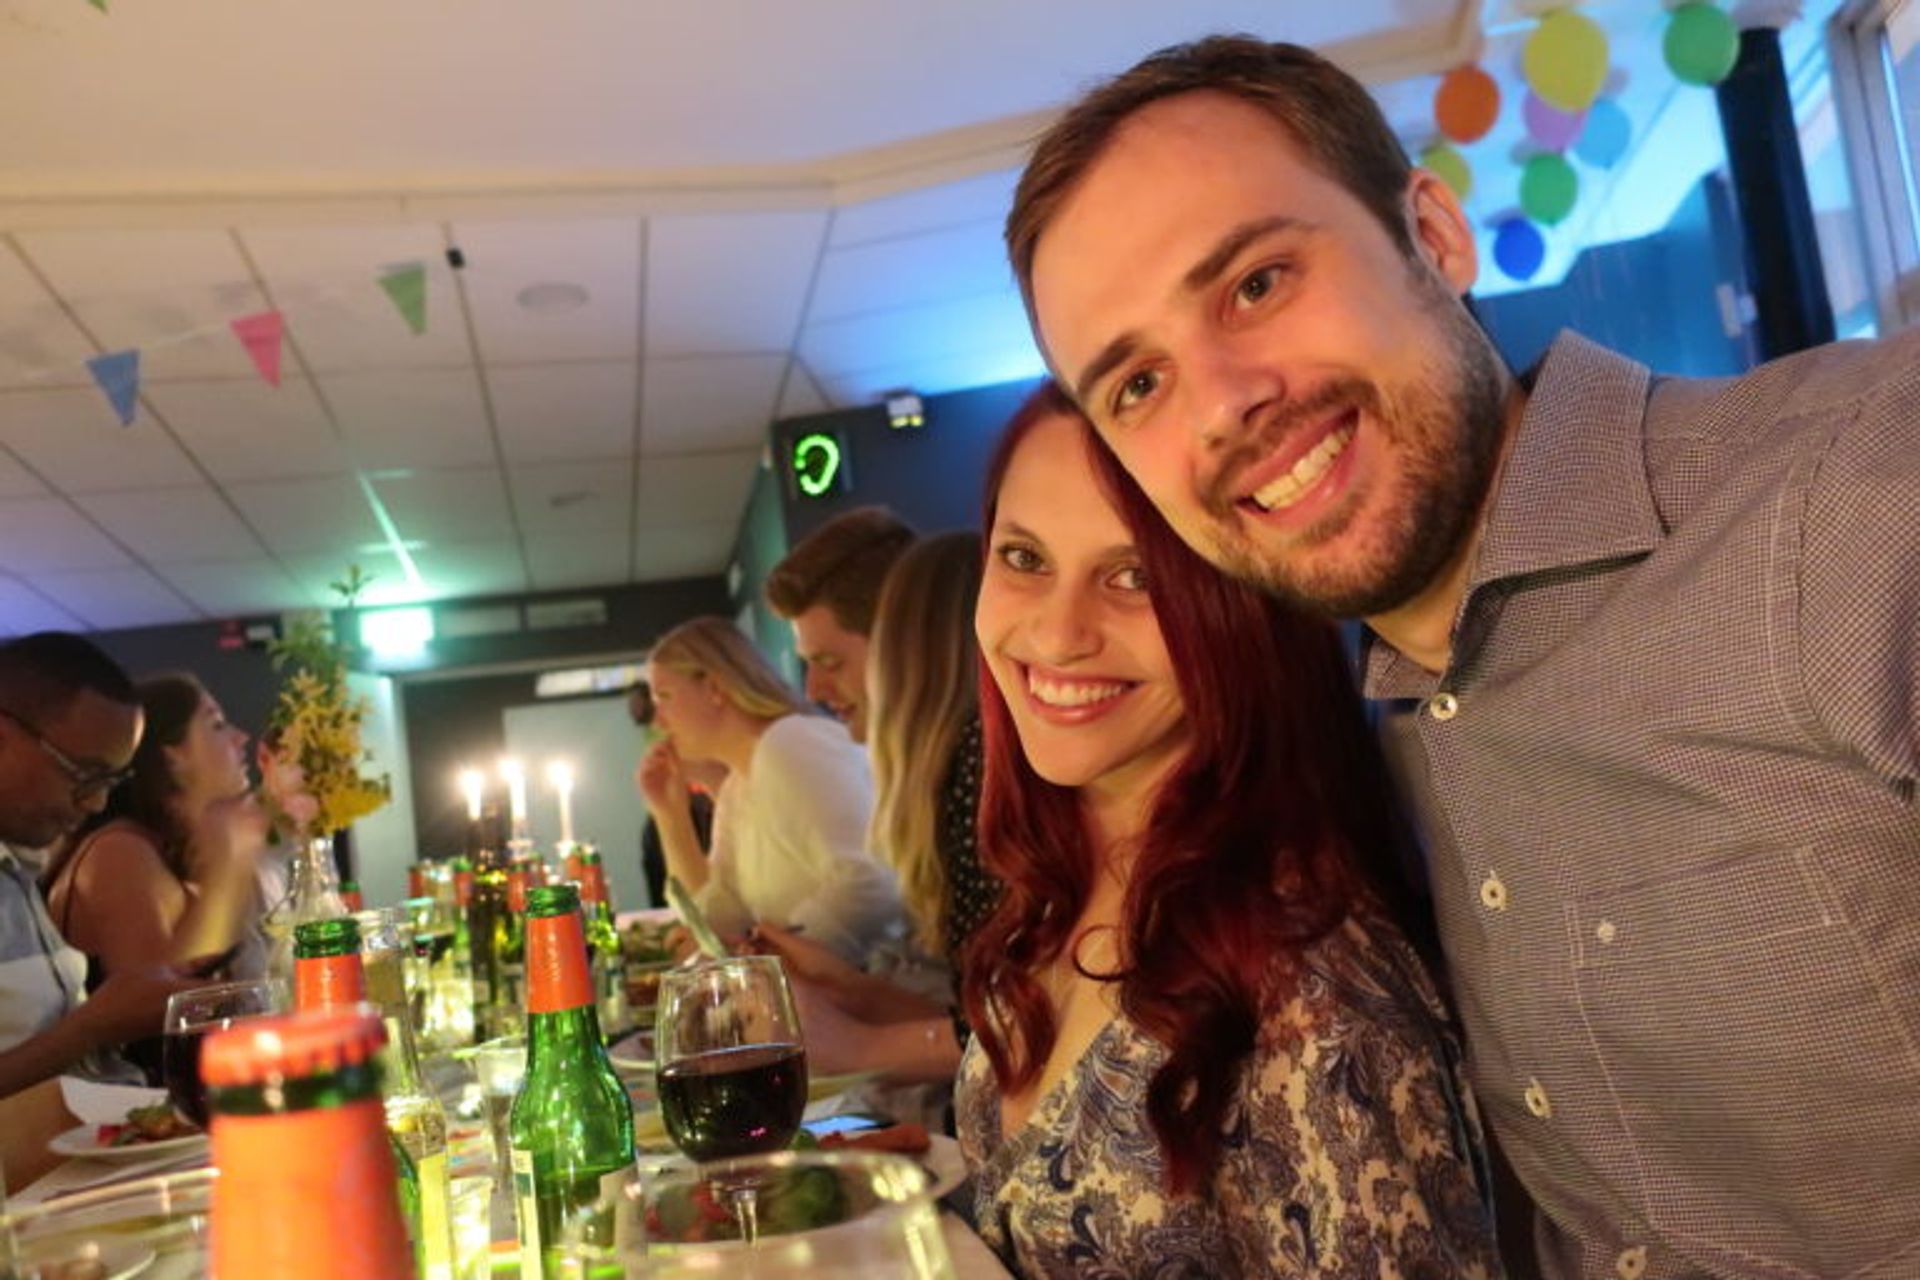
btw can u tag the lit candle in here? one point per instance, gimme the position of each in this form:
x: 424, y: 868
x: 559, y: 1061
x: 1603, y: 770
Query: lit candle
x: 515, y: 776
x: 560, y: 774
x: 472, y: 784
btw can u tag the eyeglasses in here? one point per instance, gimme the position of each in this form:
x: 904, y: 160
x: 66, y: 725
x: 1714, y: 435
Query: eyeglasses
x: 86, y: 781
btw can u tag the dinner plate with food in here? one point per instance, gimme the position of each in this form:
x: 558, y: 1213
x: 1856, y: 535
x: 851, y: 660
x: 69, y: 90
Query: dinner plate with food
x: 145, y: 1131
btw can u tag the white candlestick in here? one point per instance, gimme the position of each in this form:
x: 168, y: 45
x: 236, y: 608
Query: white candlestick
x: 472, y: 784
x: 560, y: 773
x: 516, y: 779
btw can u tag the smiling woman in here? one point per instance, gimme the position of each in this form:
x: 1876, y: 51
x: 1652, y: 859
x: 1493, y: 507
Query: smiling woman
x: 1202, y: 1041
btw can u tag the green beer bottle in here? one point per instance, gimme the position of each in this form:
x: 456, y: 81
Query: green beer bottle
x: 603, y: 942
x: 572, y: 1123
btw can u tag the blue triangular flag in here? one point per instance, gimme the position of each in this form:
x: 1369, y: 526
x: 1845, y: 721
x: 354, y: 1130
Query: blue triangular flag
x: 118, y: 373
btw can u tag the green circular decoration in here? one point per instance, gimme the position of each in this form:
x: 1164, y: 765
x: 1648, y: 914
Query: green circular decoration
x: 1565, y: 60
x: 1450, y: 167
x: 1701, y: 44
x: 1549, y: 188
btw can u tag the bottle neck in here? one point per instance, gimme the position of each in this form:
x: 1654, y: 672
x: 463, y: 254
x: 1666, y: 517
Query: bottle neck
x: 324, y: 982
x: 557, y: 975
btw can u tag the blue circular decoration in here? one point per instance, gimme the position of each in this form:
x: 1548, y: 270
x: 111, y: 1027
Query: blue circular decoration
x: 1518, y: 248
x: 1607, y: 135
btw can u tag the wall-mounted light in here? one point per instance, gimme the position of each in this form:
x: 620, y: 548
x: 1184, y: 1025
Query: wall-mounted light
x: 904, y: 411
x: 397, y: 633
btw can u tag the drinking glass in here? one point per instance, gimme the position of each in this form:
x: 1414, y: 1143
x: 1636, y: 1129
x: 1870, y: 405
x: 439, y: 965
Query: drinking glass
x: 501, y: 1066
x: 822, y: 1216
x: 156, y: 1228
x: 191, y: 1017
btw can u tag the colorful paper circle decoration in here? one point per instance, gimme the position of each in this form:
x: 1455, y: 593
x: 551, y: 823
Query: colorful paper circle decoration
x: 1551, y: 128
x: 1548, y: 188
x: 1451, y: 166
x: 1467, y: 104
x: 1701, y: 44
x: 1518, y: 248
x: 1565, y: 60
x: 1607, y: 135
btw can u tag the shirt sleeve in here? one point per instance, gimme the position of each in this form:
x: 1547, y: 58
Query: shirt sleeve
x: 719, y: 898
x: 1356, y: 1160
x: 1859, y: 580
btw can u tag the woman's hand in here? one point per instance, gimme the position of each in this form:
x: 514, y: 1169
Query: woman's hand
x: 805, y: 959
x: 229, y: 837
x: 661, y: 777
x: 836, y: 1040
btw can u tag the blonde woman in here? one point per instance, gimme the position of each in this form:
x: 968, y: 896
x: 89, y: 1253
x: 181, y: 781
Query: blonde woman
x: 790, y: 821
x: 924, y: 737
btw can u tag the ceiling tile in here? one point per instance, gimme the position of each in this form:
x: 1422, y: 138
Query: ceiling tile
x: 454, y: 569
x: 577, y: 560
x: 39, y: 345
x: 251, y: 431
x: 384, y: 579
x: 326, y: 280
x: 988, y: 326
x: 467, y: 505
x: 16, y: 481
x: 411, y: 417
x: 802, y: 395
x: 173, y: 524
x: 24, y: 611
x: 932, y: 375
x: 172, y: 293
x: 72, y: 438
x: 232, y: 588
x: 106, y: 599
x: 702, y: 403
x: 599, y: 255
x: 45, y: 535
x: 985, y: 198
x: 911, y: 271
x: 325, y: 514
x: 698, y: 489
x: 570, y: 498
x: 684, y: 551
x: 727, y: 282
x: 556, y: 412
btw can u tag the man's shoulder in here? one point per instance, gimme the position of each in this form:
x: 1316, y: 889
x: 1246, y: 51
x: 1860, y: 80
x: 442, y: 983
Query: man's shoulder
x: 1808, y: 386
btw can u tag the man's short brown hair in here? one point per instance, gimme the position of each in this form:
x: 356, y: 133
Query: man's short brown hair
x: 1328, y: 113
x: 843, y: 565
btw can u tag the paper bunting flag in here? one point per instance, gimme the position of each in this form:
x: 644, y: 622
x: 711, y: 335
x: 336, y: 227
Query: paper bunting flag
x: 261, y: 334
x: 101, y: 5
x: 118, y: 373
x: 407, y: 286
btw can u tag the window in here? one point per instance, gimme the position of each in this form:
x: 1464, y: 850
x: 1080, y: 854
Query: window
x: 1875, y: 46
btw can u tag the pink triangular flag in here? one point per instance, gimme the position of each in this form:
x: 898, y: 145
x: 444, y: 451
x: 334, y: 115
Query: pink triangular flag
x: 261, y: 333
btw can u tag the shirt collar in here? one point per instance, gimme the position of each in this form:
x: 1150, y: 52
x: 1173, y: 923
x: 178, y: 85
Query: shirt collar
x: 1573, y: 489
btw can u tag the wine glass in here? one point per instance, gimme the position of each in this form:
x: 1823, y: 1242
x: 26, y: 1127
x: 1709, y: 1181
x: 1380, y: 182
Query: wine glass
x: 191, y: 1017
x: 842, y: 1215
x: 730, y: 1065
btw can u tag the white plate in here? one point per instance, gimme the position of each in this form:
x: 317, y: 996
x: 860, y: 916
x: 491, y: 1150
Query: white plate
x: 85, y: 1141
x: 118, y: 1259
x: 944, y: 1164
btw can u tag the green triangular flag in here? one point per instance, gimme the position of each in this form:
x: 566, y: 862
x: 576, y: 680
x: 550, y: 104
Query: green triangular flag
x: 407, y: 286
x: 101, y: 5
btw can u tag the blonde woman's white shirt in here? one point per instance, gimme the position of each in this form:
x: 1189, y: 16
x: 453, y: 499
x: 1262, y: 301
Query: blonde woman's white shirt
x: 789, y: 842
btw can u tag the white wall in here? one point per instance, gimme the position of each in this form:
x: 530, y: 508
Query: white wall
x: 383, y: 842
x: 598, y: 738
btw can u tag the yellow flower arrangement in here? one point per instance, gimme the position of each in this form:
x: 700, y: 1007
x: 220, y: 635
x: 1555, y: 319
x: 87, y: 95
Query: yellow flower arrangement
x: 311, y: 754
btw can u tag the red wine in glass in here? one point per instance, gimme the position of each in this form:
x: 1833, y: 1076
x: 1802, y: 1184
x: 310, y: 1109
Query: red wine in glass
x: 734, y: 1102
x: 180, y: 1067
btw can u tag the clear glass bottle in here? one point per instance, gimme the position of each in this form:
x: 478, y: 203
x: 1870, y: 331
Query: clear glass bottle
x: 313, y: 894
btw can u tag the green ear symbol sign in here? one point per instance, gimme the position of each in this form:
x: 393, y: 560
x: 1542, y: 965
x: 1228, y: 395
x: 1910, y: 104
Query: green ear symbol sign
x: 816, y: 461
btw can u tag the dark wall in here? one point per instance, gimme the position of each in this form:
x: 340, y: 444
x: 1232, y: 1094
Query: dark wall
x: 930, y: 475
x: 1654, y: 299
x: 242, y: 680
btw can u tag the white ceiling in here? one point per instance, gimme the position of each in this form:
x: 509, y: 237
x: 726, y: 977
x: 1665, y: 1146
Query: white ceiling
x: 773, y: 209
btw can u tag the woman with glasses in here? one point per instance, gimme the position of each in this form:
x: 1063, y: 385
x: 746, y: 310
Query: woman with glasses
x: 165, y: 873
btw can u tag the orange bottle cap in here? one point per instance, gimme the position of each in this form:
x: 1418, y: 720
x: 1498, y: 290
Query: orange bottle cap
x: 557, y: 977
x: 309, y: 1043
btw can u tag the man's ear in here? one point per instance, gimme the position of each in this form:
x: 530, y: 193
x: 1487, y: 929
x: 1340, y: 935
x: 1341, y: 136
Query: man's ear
x: 1441, y: 234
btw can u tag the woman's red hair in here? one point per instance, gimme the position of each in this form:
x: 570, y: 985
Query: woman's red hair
x: 1257, y: 844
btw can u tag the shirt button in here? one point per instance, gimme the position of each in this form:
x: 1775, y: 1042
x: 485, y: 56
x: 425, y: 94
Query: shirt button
x: 1537, y: 1101
x: 1605, y: 931
x: 1443, y: 706
x: 1493, y: 894
x: 1632, y: 1263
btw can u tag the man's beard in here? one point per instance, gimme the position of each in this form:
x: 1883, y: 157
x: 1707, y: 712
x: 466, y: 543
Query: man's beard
x: 1445, y: 428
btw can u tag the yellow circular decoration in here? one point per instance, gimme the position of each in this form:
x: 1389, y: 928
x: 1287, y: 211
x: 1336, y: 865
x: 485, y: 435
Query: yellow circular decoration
x: 1565, y: 60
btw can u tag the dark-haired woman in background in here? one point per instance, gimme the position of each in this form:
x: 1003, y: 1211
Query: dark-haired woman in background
x: 1202, y: 1048
x: 165, y: 874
